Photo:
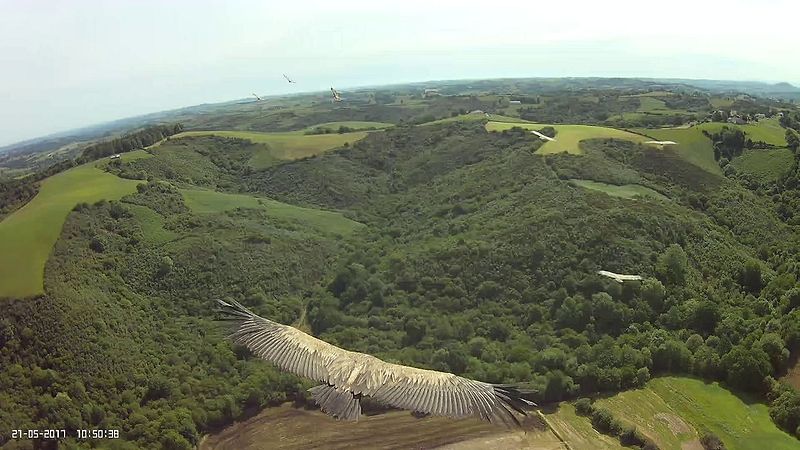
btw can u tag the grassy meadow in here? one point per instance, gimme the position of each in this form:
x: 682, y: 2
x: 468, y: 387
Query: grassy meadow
x: 692, y: 145
x: 767, y: 130
x: 765, y: 165
x: 568, y: 137
x: 27, y: 236
x: 354, y: 124
x: 673, y: 411
x: 624, y: 191
x: 578, y: 431
x: 284, y: 146
x: 205, y: 201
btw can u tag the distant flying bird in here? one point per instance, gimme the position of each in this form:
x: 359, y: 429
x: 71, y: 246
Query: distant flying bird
x: 348, y: 376
x: 258, y: 99
x: 619, y: 278
x: 336, y: 96
x: 288, y: 79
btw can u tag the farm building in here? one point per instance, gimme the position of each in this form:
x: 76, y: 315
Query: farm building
x: 115, y: 156
x: 430, y: 93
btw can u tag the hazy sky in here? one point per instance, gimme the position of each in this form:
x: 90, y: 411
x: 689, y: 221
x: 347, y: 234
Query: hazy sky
x: 71, y: 63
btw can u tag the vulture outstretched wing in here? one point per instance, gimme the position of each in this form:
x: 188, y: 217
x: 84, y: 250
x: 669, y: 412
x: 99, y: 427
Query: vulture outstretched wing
x: 347, y: 376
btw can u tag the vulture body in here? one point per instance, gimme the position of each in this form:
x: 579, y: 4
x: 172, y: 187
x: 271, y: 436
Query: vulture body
x: 347, y: 376
x: 619, y: 278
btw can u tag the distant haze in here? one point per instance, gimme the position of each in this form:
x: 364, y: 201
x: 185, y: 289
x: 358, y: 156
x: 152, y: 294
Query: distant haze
x: 66, y: 64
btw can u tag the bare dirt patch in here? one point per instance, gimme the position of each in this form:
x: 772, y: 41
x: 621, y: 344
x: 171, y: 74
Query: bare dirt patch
x: 692, y: 445
x: 286, y: 427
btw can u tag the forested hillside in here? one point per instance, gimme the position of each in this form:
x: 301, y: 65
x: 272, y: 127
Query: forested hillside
x: 456, y: 249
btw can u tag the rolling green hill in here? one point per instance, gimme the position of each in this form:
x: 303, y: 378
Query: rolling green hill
x: 27, y: 236
x: 204, y: 201
x: 692, y: 145
x: 441, y: 246
x: 569, y: 137
x: 765, y: 165
x: 284, y: 146
x: 767, y: 130
x: 675, y: 411
x: 624, y: 191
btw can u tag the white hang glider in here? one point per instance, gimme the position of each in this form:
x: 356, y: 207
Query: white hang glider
x: 336, y: 96
x: 619, y: 278
x: 288, y: 79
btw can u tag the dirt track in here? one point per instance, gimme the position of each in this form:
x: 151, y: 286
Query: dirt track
x: 288, y: 428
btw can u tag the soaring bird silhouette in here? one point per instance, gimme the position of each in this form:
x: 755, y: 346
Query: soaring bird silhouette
x: 619, y: 278
x: 258, y: 99
x: 336, y: 96
x: 288, y: 79
x: 348, y: 376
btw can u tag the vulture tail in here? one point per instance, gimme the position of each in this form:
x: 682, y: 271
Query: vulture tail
x: 342, y: 405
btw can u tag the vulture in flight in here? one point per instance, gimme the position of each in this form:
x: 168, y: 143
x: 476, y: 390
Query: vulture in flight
x: 618, y: 277
x: 348, y: 376
x: 336, y: 96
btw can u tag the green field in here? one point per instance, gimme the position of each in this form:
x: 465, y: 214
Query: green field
x: 767, y: 130
x: 204, y: 201
x: 27, y: 236
x: 652, y: 104
x: 477, y: 118
x: 356, y: 125
x: 765, y: 165
x: 673, y: 410
x: 624, y: 191
x: 692, y: 145
x: 719, y: 102
x: 284, y: 146
x: 568, y: 137
x: 578, y: 431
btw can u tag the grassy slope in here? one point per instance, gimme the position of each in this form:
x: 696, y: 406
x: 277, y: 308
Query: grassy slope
x: 356, y: 125
x: 625, y: 191
x: 693, y: 145
x: 28, y: 235
x: 699, y: 406
x: 568, y: 137
x: 767, y: 130
x: 765, y: 165
x: 477, y: 118
x: 292, y: 145
x: 578, y: 431
x: 204, y: 201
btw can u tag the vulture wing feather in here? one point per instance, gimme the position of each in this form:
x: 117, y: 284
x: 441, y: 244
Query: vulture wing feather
x: 353, y: 374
